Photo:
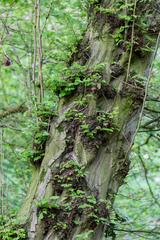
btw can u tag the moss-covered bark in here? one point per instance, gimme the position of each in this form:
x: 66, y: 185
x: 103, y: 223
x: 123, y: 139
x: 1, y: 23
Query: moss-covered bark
x: 95, y: 126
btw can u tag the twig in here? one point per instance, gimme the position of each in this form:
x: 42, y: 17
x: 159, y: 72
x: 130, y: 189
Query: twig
x: 40, y: 76
x: 150, y: 122
x: 137, y: 231
x: 47, y: 17
x: 132, y: 40
x: 35, y: 48
x: 146, y: 177
x: 17, y: 109
x: 149, y: 130
x: 147, y: 140
x: 153, y: 99
x: 10, y: 127
x: 1, y: 172
x: 148, y: 73
x: 151, y: 110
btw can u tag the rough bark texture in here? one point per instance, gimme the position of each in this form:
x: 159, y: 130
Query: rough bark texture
x: 104, y: 155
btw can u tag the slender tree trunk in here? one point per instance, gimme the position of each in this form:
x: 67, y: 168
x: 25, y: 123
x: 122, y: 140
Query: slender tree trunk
x: 95, y: 127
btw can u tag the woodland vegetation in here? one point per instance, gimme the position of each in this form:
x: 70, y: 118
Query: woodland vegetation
x: 79, y: 119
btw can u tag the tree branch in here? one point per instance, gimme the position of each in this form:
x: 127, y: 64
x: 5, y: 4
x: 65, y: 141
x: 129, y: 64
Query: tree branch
x: 137, y: 231
x: 146, y: 177
x: 151, y: 121
x: 151, y: 110
x: 17, y: 109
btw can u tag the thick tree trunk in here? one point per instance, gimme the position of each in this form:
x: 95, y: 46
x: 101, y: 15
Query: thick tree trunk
x: 95, y: 127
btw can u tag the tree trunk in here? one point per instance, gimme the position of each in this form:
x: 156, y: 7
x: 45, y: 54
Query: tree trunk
x: 86, y: 157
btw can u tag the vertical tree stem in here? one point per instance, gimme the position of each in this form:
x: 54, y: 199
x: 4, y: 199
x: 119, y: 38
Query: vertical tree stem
x: 35, y: 49
x: 40, y: 76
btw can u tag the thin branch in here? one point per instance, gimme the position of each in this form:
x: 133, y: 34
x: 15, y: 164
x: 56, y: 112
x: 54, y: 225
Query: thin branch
x: 151, y: 110
x: 132, y: 40
x: 148, y: 75
x: 12, y: 110
x: 10, y: 127
x: 137, y: 231
x: 40, y: 75
x: 150, y: 130
x: 1, y: 172
x: 47, y: 17
x: 35, y: 47
x: 146, y: 177
x: 150, y: 122
x: 147, y: 140
x: 153, y: 99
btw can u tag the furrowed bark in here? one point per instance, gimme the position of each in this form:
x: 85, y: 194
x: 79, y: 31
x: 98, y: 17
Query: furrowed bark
x: 105, y: 154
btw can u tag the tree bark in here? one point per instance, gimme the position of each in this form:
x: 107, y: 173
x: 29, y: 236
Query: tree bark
x: 101, y: 141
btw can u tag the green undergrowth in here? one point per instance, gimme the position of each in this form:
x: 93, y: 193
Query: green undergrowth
x: 10, y: 229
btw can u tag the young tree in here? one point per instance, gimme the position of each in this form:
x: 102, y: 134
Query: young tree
x: 86, y: 157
